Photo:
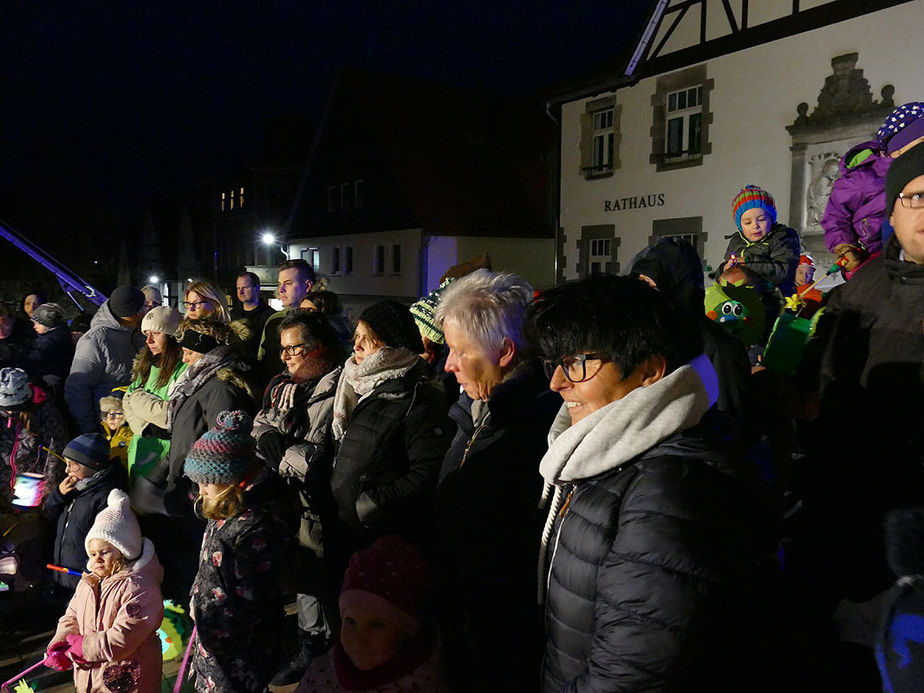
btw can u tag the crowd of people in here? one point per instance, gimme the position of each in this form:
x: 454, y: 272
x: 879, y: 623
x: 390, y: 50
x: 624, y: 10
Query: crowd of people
x: 602, y: 486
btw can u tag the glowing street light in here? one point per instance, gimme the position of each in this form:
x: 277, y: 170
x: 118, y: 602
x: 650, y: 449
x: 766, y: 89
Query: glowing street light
x: 269, y: 239
x: 153, y: 279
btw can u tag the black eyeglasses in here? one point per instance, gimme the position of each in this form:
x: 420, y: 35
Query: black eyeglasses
x: 575, y: 366
x: 912, y: 200
x: 191, y: 305
x: 293, y: 349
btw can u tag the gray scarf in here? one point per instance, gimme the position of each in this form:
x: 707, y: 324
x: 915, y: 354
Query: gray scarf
x: 359, y: 379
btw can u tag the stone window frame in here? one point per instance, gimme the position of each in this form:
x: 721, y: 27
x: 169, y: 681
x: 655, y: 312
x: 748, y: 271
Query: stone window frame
x: 682, y: 79
x: 595, y: 232
x: 587, y: 137
x: 680, y: 226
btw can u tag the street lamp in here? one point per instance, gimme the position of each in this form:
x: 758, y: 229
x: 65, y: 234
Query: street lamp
x: 269, y: 240
x: 153, y: 279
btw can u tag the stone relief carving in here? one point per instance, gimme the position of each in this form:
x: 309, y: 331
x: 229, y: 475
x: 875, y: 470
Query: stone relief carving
x: 846, y: 114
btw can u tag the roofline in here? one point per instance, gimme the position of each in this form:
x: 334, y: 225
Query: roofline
x: 791, y: 25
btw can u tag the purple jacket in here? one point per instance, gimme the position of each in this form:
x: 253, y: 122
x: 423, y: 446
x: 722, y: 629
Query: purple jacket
x: 857, y: 203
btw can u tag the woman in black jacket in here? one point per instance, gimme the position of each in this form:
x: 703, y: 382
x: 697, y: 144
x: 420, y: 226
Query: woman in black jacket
x: 391, y: 432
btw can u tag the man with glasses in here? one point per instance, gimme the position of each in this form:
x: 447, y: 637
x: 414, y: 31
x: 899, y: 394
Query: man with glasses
x: 649, y: 545
x: 871, y: 413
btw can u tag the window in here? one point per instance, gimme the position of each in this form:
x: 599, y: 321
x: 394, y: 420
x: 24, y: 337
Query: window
x: 335, y: 260
x: 396, y: 258
x: 684, y: 122
x: 378, y: 259
x: 600, y: 137
x: 689, y: 229
x: 680, y: 131
x: 345, y: 198
x: 332, y: 198
x: 231, y: 198
x: 223, y: 201
x: 599, y: 254
x: 358, y: 194
x: 241, y: 198
x: 603, y: 141
x: 313, y: 257
x: 348, y: 260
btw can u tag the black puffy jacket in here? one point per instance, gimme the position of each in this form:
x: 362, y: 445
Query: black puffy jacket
x: 74, y: 515
x: 652, y: 573
x: 388, y: 460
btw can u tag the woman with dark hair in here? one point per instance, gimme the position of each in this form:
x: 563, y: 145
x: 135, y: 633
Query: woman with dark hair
x: 156, y: 368
x: 16, y: 337
x: 328, y: 304
x: 390, y: 424
x: 649, y: 549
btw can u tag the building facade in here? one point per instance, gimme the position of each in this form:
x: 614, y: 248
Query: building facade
x: 715, y: 96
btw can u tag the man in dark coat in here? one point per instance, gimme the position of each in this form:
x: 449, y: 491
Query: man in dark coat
x: 252, y: 309
x: 649, y: 546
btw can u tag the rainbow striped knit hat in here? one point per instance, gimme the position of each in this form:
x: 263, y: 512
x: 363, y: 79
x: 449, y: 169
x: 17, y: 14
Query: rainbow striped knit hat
x: 223, y: 454
x: 750, y: 197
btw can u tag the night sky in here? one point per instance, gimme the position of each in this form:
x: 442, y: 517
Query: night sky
x: 108, y: 106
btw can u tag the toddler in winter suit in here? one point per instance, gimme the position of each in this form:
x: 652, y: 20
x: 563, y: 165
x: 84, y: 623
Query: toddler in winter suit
x: 383, y: 645
x: 856, y: 210
x: 114, y: 426
x: 109, y: 631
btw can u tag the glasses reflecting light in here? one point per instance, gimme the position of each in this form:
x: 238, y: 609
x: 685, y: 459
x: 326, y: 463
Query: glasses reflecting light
x: 575, y: 366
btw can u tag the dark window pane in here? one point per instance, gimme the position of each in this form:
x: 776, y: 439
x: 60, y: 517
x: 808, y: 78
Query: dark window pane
x: 672, y: 102
x: 696, y: 145
x: 675, y: 137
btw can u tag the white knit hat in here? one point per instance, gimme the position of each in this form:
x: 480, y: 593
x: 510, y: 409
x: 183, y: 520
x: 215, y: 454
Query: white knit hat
x: 161, y: 319
x: 116, y: 523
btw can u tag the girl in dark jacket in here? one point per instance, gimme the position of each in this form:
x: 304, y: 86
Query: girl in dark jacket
x: 236, y: 601
x: 391, y: 430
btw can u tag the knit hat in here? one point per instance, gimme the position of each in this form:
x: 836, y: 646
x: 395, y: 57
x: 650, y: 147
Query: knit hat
x: 902, y: 171
x: 423, y: 313
x: 90, y: 449
x: 117, y: 524
x: 223, y: 454
x: 112, y: 401
x: 904, y: 124
x: 49, y: 315
x: 806, y: 259
x: 161, y: 319
x: 200, y: 342
x: 391, y: 574
x: 126, y: 301
x: 15, y: 390
x: 394, y: 325
x: 752, y: 197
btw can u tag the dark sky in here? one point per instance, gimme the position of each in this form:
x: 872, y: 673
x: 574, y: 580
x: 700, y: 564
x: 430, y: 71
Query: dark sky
x: 111, y: 104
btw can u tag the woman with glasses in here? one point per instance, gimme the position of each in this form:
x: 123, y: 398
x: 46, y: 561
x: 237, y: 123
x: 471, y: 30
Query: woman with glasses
x: 216, y: 379
x: 489, y: 486
x: 292, y: 431
x: 203, y: 299
x: 649, y: 547
x: 157, y: 367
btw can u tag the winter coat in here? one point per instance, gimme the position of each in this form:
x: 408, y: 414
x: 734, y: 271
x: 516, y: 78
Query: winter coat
x: 74, y: 515
x: 870, y: 429
x: 50, y: 355
x: 17, y: 343
x: 857, y: 203
x: 322, y: 676
x: 21, y: 446
x: 774, y: 257
x: 118, y: 441
x: 236, y: 600
x: 217, y: 382
x: 102, y: 361
x: 302, y: 414
x: 488, y: 516
x: 146, y: 403
x: 388, y: 460
x: 650, y: 543
x: 118, y: 618
x: 255, y: 320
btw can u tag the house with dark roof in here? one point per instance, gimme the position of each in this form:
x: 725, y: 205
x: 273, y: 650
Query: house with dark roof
x: 407, y: 178
x: 715, y: 95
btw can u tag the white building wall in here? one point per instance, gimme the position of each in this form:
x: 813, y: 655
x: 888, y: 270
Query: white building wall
x: 754, y: 98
